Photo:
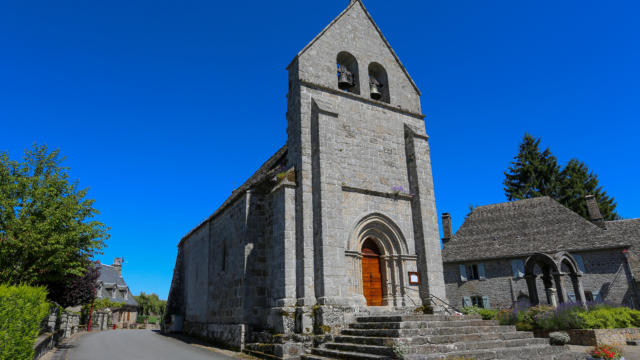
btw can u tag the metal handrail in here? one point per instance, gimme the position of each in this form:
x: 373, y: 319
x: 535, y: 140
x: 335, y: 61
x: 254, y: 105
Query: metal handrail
x: 447, y: 305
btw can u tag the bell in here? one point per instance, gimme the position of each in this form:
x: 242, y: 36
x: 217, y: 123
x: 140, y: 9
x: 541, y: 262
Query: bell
x: 375, y: 90
x: 345, y: 78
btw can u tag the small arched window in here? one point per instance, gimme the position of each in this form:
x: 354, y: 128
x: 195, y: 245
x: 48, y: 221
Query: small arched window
x: 378, y: 83
x: 348, y: 73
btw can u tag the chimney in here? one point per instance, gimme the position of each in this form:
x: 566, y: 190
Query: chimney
x: 117, y: 263
x: 594, y: 211
x: 446, y: 228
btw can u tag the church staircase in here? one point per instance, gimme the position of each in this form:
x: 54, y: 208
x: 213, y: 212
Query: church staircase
x: 429, y: 337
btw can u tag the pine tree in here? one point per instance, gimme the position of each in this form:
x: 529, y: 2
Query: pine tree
x: 576, y: 182
x: 532, y: 173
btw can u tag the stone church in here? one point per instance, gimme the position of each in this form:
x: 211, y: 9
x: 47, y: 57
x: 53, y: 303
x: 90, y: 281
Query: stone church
x: 340, y: 221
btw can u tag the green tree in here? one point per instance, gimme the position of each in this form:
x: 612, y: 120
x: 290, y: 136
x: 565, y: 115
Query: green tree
x: 47, y: 231
x: 536, y: 173
x: 532, y: 173
x: 576, y: 182
x: 150, y: 304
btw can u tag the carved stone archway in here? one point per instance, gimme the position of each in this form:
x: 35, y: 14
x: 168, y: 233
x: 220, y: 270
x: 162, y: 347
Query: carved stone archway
x: 394, y: 258
x: 553, y: 277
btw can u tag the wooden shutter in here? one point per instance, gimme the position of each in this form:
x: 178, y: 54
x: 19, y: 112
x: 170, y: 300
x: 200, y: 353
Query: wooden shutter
x: 463, y: 273
x: 481, y: 273
x: 579, y: 261
x: 485, y: 302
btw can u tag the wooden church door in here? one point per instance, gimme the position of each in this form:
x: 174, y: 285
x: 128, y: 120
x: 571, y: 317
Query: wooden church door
x: 371, y: 275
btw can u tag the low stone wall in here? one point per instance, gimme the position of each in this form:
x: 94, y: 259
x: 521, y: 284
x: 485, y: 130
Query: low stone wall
x: 598, y: 337
x: 227, y: 335
x: 44, y: 344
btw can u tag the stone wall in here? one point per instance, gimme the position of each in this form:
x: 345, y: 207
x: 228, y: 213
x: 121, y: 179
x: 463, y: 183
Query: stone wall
x: 597, y: 337
x: 605, y: 273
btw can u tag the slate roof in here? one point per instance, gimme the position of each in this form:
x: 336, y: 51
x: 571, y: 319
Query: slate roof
x: 110, y: 277
x: 630, y: 231
x: 524, y: 227
x: 265, y: 171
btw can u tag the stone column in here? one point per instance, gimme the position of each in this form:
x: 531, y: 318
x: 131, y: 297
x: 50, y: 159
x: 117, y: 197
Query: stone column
x: 354, y: 262
x: 578, y: 289
x: 551, y: 294
x: 563, y: 297
x: 533, y: 290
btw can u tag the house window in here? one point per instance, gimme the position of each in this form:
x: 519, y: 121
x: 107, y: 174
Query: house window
x: 476, y: 301
x: 517, y: 266
x: 588, y: 295
x: 472, y: 272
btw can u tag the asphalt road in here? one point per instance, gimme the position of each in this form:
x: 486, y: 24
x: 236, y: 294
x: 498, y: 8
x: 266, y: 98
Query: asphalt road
x: 136, y: 345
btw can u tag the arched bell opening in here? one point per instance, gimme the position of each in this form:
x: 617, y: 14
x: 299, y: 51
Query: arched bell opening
x: 372, y: 283
x: 378, y: 83
x: 348, y: 73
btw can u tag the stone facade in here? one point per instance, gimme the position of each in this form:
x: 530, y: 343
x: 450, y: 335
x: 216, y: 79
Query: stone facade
x: 605, y: 279
x: 498, y: 239
x: 283, y: 253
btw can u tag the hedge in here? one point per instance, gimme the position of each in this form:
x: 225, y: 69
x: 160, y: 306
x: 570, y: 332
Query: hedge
x: 22, y: 309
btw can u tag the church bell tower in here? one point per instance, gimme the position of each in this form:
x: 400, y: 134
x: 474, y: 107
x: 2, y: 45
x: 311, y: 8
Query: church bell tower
x: 366, y: 232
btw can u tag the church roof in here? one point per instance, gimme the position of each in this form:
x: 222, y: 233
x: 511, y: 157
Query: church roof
x: 343, y: 13
x: 259, y: 176
x: 524, y: 227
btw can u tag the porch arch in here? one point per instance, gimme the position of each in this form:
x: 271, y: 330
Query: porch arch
x: 394, y: 258
x: 553, y: 277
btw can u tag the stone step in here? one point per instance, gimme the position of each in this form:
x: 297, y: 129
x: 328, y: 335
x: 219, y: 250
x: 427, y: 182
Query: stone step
x: 361, y: 348
x: 409, y: 332
x: 537, y: 352
x: 476, y: 345
x: 417, y: 317
x: 337, y: 354
x: 432, y: 339
x: 421, y: 324
x: 366, y: 340
x: 313, y: 357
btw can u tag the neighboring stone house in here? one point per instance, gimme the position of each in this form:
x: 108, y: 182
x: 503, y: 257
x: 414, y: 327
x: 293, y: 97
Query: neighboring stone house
x: 505, y: 252
x: 340, y: 220
x: 112, y: 286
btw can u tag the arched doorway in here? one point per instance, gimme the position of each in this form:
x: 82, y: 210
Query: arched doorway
x: 371, y: 273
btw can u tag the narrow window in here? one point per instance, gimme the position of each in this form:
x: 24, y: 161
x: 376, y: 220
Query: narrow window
x: 224, y: 256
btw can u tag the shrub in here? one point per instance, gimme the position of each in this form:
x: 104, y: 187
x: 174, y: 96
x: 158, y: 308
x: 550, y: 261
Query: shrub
x: 22, y: 309
x: 605, y: 317
x: 559, y: 338
x: 487, y: 314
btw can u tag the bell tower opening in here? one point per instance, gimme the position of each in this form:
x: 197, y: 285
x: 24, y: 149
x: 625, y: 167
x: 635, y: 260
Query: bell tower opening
x: 378, y: 83
x: 371, y: 273
x: 348, y: 79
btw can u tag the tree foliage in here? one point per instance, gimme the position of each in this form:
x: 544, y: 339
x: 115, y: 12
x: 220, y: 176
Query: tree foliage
x: 536, y: 173
x: 150, y: 304
x: 47, y: 231
x: 76, y: 289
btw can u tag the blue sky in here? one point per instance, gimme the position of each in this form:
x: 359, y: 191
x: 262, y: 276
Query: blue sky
x: 162, y: 108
